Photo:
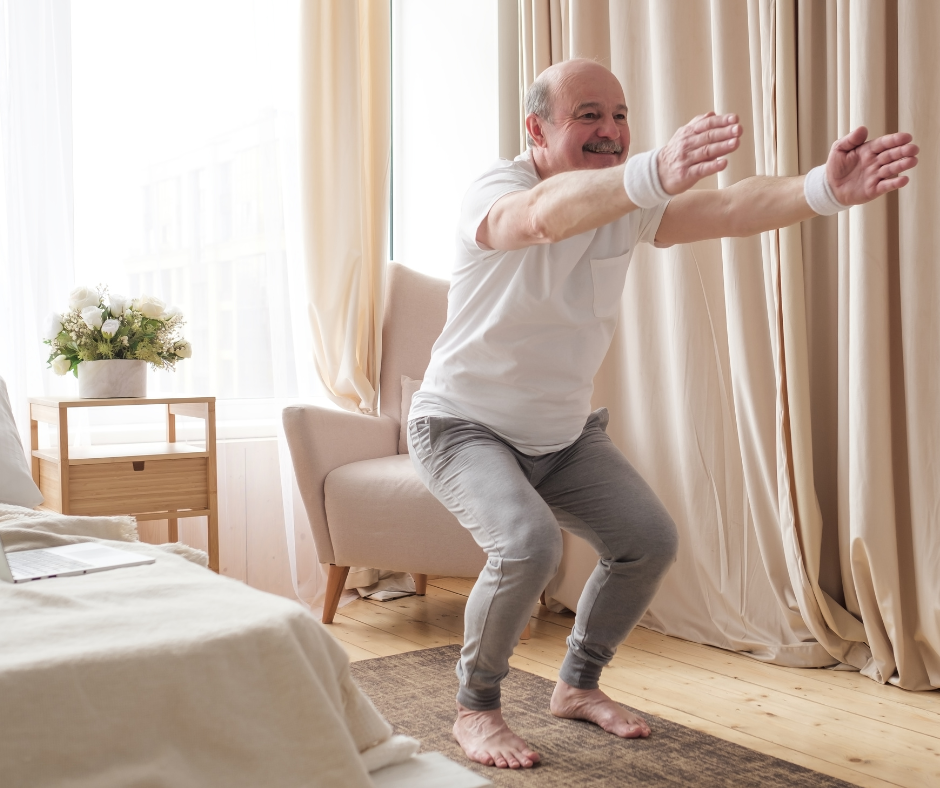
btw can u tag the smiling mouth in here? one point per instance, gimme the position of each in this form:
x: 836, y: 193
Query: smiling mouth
x: 610, y: 147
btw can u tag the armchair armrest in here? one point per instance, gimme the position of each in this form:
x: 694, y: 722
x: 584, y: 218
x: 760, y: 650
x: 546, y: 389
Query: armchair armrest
x: 321, y: 440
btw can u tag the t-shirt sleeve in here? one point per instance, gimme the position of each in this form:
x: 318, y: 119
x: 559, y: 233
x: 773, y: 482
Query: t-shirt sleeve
x: 502, y: 179
x: 649, y: 224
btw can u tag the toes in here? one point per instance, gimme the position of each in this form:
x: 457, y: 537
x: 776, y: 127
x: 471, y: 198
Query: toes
x: 636, y: 731
x: 520, y: 761
x: 481, y: 757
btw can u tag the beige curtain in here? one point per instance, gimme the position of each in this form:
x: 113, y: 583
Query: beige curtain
x: 551, y: 31
x: 780, y: 392
x: 345, y: 149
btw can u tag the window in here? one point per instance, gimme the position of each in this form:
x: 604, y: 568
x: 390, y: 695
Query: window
x: 184, y: 117
x: 445, y: 115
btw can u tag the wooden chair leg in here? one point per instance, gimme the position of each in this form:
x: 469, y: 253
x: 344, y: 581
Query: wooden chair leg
x: 421, y: 584
x: 334, y: 590
x: 525, y: 633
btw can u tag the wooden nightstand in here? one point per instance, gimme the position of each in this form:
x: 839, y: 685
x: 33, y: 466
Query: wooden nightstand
x: 151, y: 481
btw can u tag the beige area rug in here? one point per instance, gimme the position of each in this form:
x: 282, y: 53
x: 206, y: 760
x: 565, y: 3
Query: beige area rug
x: 415, y: 692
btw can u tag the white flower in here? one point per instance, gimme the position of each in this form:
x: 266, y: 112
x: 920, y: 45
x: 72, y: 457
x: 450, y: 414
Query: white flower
x: 110, y: 327
x: 61, y: 365
x: 52, y: 327
x: 185, y: 350
x: 171, y: 311
x: 118, y: 303
x: 92, y: 316
x: 83, y: 296
x: 149, y: 306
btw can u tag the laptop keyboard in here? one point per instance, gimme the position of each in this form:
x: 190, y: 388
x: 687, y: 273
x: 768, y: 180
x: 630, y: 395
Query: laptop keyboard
x: 39, y: 562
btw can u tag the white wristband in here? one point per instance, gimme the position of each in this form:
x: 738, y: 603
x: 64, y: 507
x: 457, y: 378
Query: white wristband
x: 819, y: 193
x: 641, y: 180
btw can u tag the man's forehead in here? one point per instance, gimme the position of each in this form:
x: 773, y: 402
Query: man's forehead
x: 589, y: 88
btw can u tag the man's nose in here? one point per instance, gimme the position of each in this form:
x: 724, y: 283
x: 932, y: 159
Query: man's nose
x: 608, y: 128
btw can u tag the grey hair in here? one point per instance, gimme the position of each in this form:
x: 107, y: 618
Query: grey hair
x: 538, y: 101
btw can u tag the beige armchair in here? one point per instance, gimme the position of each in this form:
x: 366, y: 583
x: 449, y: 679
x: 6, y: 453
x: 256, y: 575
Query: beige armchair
x: 365, y: 503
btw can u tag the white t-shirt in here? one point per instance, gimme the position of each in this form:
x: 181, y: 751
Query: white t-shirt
x: 527, y: 330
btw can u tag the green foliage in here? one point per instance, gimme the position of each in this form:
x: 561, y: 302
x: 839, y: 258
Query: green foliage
x: 156, y: 340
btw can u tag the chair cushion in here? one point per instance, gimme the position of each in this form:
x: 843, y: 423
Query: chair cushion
x: 381, y: 514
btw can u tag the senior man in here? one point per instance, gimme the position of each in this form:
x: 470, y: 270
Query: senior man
x: 501, y: 431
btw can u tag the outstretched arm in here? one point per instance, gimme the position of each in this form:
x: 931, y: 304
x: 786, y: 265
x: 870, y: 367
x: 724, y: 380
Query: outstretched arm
x: 574, y: 202
x: 858, y: 171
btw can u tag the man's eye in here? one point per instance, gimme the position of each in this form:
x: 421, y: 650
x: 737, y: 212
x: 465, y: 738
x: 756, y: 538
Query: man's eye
x: 589, y: 115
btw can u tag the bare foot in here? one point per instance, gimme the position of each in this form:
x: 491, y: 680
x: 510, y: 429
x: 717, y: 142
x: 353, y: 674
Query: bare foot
x: 594, y: 706
x: 485, y: 738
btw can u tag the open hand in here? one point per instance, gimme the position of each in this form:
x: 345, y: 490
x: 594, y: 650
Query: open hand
x: 860, y: 170
x: 695, y: 150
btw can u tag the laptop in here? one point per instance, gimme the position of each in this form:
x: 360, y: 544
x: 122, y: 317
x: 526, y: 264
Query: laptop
x: 65, y: 561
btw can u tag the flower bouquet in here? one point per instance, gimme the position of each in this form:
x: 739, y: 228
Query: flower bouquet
x: 101, y: 326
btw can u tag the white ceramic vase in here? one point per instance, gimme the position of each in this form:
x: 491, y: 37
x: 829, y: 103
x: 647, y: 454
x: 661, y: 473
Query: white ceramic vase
x: 112, y: 378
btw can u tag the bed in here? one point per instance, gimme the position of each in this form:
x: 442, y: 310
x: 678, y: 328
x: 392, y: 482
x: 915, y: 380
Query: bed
x: 170, y: 675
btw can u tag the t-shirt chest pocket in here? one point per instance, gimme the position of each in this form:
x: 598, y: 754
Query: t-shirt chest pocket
x: 609, y: 277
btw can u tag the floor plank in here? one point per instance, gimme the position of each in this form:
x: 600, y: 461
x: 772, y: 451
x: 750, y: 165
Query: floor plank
x: 835, y: 722
x: 734, y: 735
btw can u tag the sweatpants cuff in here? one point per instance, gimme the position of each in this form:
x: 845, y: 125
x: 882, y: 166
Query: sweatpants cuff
x: 580, y: 673
x: 478, y: 701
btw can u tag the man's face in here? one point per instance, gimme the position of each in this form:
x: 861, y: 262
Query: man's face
x: 589, y: 127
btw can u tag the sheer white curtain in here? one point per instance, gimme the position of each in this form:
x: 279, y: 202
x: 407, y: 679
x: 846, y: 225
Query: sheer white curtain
x: 186, y: 182
x: 35, y: 189
x: 183, y: 184
x: 187, y: 187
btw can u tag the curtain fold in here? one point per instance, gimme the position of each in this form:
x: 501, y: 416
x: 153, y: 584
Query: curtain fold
x: 917, y: 309
x: 779, y: 392
x: 36, y: 199
x: 345, y: 165
x: 544, y: 33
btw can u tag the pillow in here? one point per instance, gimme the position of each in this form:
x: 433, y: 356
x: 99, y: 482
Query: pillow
x: 408, y: 389
x: 16, y: 483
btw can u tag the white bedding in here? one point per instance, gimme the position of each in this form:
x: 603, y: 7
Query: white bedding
x: 170, y: 675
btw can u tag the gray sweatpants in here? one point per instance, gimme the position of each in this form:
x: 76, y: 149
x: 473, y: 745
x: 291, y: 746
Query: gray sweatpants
x: 505, y: 499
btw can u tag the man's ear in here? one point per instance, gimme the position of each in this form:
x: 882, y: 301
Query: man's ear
x: 533, y: 125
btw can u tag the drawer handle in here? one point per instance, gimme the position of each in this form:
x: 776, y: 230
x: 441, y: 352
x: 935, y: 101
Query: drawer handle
x: 138, y: 465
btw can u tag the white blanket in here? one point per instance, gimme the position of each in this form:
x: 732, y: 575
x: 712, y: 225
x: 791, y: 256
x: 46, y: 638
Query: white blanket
x: 170, y: 675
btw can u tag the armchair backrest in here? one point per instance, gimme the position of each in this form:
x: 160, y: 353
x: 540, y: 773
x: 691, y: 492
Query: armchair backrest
x: 415, y: 313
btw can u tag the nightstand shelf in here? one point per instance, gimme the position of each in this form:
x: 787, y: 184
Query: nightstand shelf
x: 150, y: 481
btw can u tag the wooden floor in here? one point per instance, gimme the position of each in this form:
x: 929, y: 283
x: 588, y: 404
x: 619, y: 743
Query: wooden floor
x: 836, y: 722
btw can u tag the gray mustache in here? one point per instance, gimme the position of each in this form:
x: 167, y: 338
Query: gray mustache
x: 610, y: 146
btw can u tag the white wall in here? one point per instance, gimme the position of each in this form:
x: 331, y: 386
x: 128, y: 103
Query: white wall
x: 445, y: 121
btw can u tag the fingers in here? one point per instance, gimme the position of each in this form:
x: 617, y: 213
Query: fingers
x: 852, y: 140
x: 899, y: 152
x: 706, y: 168
x: 713, y: 144
x: 888, y: 141
x: 696, y: 150
x: 895, y: 168
x: 891, y: 185
x: 708, y: 137
x: 718, y: 134
x: 708, y: 121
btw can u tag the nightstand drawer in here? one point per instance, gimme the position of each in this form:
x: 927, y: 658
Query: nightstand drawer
x: 125, y: 487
